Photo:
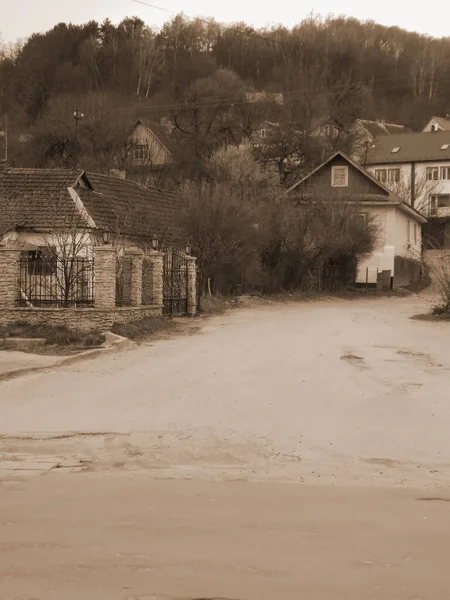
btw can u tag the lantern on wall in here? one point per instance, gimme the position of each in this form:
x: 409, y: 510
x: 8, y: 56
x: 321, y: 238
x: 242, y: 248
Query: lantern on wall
x: 106, y: 237
x: 155, y: 243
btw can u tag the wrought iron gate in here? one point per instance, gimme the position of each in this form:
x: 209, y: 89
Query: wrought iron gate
x: 175, y: 284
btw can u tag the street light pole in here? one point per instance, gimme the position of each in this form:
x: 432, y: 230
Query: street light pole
x: 77, y: 115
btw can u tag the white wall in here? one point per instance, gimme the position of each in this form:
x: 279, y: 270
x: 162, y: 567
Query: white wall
x: 31, y: 240
x: 392, y: 241
x: 423, y: 187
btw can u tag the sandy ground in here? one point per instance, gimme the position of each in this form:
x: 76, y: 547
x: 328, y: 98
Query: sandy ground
x: 348, y: 392
x: 284, y: 451
x: 13, y: 360
x: 122, y: 537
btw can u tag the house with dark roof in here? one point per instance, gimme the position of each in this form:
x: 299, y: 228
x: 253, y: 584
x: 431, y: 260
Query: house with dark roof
x: 416, y: 166
x: 37, y: 203
x: 399, y: 243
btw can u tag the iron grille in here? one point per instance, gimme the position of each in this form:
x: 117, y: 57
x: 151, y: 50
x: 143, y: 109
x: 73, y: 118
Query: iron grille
x: 49, y: 281
x: 174, y: 283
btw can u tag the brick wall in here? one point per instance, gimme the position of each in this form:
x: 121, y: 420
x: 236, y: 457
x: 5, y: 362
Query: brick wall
x: 80, y: 319
x: 9, y: 274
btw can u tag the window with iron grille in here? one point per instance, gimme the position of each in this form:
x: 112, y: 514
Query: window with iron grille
x: 41, y: 261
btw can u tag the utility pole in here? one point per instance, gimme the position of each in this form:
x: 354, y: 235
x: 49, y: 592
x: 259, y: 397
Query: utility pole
x: 77, y: 115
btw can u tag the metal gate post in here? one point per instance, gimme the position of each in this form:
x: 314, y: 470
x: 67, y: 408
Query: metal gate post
x: 191, y: 285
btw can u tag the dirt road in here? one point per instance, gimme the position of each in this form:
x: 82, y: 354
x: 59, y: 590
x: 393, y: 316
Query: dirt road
x: 333, y: 391
x: 195, y: 438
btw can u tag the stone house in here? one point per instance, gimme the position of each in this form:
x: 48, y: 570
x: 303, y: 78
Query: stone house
x: 37, y: 204
x: 399, y: 243
x: 74, y: 234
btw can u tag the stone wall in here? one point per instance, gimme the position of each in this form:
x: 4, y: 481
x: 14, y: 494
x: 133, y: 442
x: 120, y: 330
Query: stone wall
x: 80, y: 319
x: 140, y: 289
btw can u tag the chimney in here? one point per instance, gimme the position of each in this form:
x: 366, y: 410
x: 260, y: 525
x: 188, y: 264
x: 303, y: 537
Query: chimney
x: 118, y: 173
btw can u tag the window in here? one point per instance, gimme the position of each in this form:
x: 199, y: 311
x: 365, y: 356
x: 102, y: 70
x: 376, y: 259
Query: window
x: 41, y: 262
x: 415, y: 233
x: 360, y: 218
x: 339, y: 176
x: 408, y: 231
x: 381, y: 175
x: 140, y: 152
x: 445, y: 172
x: 434, y: 127
x: 394, y: 175
x: 432, y: 173
x: 395, y: 150
x: 263, y: 133
x: 438, y: 201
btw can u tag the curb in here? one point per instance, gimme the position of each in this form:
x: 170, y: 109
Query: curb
x: 112, y: 343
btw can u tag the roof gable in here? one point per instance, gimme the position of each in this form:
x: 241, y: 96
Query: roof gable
x: 442, y: 123
x: 38, y: 198
x: 362, y: 188
x: 372, y: 185
x: 159, y: 133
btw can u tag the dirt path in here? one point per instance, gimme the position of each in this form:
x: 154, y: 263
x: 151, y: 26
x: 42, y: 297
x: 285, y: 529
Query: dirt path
x: 125, y: 537
x: 183, y: 450
x: 347, y: 392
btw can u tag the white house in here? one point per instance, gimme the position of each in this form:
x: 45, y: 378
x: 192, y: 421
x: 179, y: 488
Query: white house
x: 437, y: 124
x: 416, y: 167
x: 399, y: 243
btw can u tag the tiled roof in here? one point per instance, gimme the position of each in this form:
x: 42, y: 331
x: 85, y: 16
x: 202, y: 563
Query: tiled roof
x: 419, y: 147
x: 37, y: 198
x: 121, y: 205
x: 40, y: 199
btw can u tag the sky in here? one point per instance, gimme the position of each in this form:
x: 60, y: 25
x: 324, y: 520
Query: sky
x: 21, y: 18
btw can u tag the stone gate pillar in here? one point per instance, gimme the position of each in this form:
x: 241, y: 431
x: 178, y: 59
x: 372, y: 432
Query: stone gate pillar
x: 105, y: 258
x: 156, y: 259
x: 9, y: 276
x: 136, y: 257
x: 191, y: 285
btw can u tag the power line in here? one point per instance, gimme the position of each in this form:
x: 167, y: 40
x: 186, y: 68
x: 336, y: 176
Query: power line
x: 220, y: 25
x: 311, y: 93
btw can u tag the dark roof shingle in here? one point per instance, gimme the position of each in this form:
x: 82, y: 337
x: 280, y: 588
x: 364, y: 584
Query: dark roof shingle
x: 40, y: 199
x: 37, y: 198
x: 413, y: 147
x: 129, y: 208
